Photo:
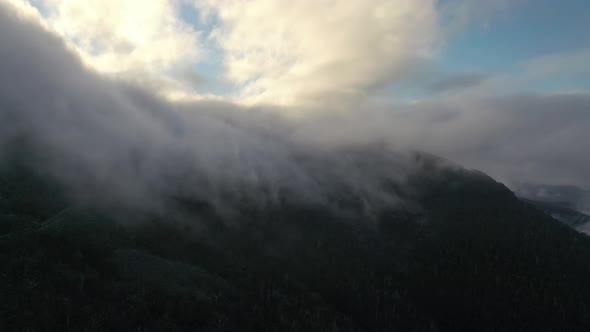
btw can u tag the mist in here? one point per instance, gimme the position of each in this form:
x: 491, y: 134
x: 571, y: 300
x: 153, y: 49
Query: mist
x: 109, y: 141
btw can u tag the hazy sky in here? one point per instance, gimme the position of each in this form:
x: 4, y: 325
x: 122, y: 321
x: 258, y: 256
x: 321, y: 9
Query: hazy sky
x: 502, y: 86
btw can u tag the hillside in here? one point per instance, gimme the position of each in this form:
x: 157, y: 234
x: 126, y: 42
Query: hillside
x: 461, y: 253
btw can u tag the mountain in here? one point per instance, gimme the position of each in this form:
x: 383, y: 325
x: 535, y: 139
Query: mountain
x: 568, y: 196
x: 563, y: 213
x: 564, y: 203
x: 121, y: 210
x: 457, y: 251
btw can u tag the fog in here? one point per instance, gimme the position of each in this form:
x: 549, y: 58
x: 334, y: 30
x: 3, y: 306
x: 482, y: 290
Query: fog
x: 111, y: 142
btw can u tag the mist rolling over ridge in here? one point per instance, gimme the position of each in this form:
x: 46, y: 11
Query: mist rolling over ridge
x: 93, y: 131
x: 109, y: 140
x: 308, y: 166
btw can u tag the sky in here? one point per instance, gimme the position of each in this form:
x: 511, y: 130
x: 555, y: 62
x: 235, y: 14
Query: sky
x: 296, y: 52
x: 501, y: 86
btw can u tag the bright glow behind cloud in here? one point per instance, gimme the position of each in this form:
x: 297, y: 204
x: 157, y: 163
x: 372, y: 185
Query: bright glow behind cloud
x: 276, y: 52
x: 287, y: 52
x: 144, y: 41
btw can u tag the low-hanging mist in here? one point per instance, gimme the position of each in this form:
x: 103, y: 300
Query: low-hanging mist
x: 106, y: 140
x: 109, y: 142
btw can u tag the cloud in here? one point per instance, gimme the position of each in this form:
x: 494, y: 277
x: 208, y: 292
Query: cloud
x: 300, y: 51
x: 273, y: 52
x: 141, y: 41
x: 567, y: 69
x: 457, y: 82
x: 112, y: 142
x: 107, y: 137
x: 523, y: 137
x: 572, y: 65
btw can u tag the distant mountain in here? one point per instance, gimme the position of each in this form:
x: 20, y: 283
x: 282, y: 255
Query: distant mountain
x: 572, y: 197
x: 563, y: 213
x: 564, y: 203
x: 457, y: 252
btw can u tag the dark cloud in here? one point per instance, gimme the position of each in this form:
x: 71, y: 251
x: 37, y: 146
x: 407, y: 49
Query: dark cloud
x: 457, y: 82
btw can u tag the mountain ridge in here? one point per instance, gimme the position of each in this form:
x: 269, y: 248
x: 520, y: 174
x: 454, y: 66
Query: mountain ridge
x: 467, y: 254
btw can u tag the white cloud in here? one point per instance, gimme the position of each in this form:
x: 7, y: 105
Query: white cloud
x: 24, y: 9
x: 143, y: 41
x: 278, y: 52
x: 274, y: 52
x: 285, y: 52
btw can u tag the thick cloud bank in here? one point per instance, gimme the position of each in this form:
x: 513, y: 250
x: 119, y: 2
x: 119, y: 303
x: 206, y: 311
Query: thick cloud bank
x: 98, y: 135
x: 103, y: 136
x: 518, y: 138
